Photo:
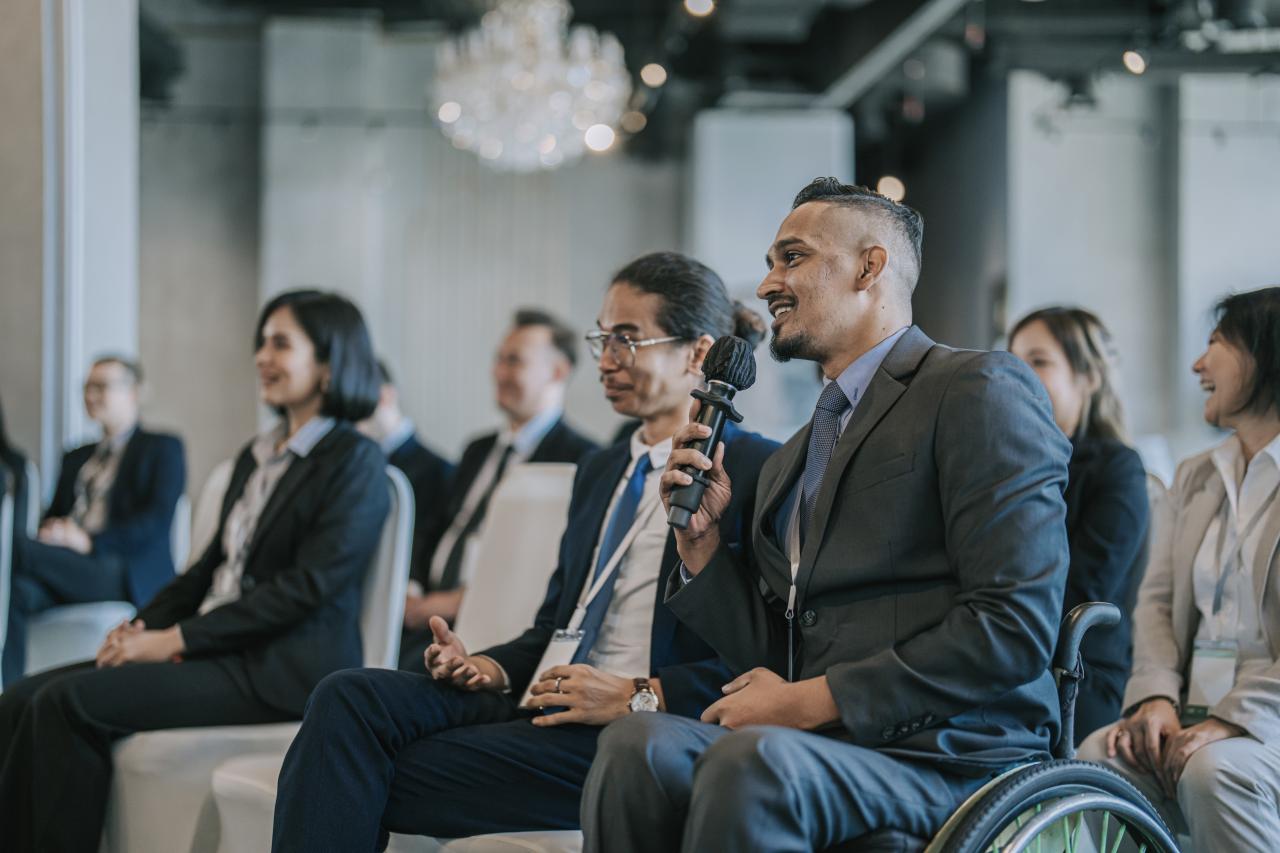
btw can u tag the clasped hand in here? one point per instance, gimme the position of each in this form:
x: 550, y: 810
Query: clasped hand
x: 761, y: 697
x: 65, y: 533
x: 1152, y: 739
x: 131, y: 642
x: 589, y: 696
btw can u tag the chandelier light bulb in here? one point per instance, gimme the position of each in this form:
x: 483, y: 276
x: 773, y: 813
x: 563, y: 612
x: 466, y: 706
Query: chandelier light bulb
x: 891, y: 187
x: 450, y: 111
x: 1134, y: 62
x: 599, y: 137
x: 634, y: 121
x: 699, y: 8
x: 653, y: 75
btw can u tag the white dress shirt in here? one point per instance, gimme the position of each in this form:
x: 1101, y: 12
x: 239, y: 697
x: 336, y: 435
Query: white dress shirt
x: 523, y: 443
x: 1222, y: 576
x: 242, y: 521
x: 622, y: 645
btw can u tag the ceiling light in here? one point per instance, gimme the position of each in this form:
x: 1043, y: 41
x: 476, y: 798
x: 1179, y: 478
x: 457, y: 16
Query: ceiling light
x: 653, y: 75
x: 891, y: 187
x: 450, y: 111
x: 1134, y: 61
x: 699, y: 8
x: 634, y: 121
x: 599, y: 137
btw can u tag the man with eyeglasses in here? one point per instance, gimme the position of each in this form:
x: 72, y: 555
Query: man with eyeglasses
x: 106, y: 535
x: 531, y: 371
x: 501, y: 741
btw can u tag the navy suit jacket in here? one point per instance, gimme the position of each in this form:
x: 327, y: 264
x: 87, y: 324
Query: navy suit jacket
x: 562, y: 443
x: 429, y: 474
x: 152, y: 475
x: 691, y: 673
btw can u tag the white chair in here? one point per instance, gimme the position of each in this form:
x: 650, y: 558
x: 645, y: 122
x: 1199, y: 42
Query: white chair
x: 35, y: 496
x: 208, y: 511
x: 73, y: 632
x: 517, y: 552
x: 161, y: 793
x: 6, y: 562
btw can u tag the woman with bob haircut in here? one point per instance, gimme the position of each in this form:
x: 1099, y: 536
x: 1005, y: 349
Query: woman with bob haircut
x: 268, y: 610
x: 1107, y: 512
x: 1200, y: 734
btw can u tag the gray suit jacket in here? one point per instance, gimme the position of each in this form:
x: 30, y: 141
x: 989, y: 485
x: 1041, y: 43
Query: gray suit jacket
x: 931, y: 578
x: 1166, y: 618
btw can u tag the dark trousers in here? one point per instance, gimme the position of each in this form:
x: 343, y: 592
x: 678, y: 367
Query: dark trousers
x: 386, y: 751
x: 45, y: 576
x: 57, y: 728
x: 661, y: 782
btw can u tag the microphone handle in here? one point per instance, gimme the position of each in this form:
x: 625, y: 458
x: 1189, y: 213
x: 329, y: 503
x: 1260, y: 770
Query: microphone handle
x: 685, y: 500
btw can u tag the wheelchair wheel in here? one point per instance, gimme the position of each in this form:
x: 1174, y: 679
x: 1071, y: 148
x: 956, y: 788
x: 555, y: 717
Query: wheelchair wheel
x: 1062, y: 807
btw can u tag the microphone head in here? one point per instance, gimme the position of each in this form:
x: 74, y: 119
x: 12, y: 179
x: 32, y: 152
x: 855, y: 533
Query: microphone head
x: 731, y: 360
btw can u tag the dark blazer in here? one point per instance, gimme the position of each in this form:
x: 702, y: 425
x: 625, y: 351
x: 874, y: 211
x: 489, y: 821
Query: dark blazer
x: 152, y: 475
x: 561, y: 444
x: 13, y: 480
x: 297, y: 618
x: 930, y: 582
x: 430, y: 476
x: 691, y: 674
x: 1107, y: 520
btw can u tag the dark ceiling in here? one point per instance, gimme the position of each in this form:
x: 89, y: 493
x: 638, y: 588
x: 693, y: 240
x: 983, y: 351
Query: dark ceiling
x: 895, y: 63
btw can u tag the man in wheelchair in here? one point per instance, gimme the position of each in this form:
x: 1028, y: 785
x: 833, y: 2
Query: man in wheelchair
x: 896, y: 607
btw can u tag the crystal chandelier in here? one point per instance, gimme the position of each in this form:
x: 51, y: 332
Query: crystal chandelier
x: 525, y: 93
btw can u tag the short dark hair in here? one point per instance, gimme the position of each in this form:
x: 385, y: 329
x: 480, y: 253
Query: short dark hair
x: 694, y: 299
x: 384, y: 373
x: 1251, y: 321
x: 907, y: 220
x: 563, y: 338
x: 341, y: 340
x: 129, y: 366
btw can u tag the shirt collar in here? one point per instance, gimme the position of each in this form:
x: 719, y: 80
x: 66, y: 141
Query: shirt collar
x: 303, y: 442
x: 402, y: 432
x: 526, y: 439
x: 658, y: 453
x: 120, y: 440
x: 856, y: 377
x: 1228, y: 458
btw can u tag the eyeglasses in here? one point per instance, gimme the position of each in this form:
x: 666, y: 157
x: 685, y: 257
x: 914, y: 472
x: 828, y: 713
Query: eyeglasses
x: 103, y: 387
x: 620, y: 347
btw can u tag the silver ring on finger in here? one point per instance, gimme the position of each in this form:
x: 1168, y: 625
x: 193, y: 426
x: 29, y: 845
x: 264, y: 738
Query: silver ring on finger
x: 558, y: 680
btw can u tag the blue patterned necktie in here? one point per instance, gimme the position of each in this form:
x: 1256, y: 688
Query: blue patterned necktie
x: 624, y: 515
x: 822, y: 440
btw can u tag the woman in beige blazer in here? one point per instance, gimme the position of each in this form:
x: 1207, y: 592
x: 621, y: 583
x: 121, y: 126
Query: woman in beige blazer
x: 1201, y: 731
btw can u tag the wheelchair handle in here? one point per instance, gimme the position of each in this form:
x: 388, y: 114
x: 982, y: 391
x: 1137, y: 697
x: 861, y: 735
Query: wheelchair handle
x: 1076, y: 624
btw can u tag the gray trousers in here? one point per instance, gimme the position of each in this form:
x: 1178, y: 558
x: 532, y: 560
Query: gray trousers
x: 1228, y: 797
x: 662, y: 782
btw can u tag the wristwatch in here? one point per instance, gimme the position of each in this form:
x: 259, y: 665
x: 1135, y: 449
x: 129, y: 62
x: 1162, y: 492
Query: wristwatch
x: 644, y: 699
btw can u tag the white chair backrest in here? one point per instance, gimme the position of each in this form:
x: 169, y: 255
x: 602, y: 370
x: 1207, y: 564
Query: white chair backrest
x: 6, y: 562
x: 516, y: 552
x: 208, y: 509
x: 382, y: 600
x: 180, y: 533
x: 35, y: 500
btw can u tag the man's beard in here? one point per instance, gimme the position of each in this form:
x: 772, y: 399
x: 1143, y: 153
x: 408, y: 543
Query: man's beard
x: 797, y: 346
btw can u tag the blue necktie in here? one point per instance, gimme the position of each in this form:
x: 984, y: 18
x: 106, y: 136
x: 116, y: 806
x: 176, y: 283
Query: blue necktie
x: 822, y: 440
x: 624, y: 515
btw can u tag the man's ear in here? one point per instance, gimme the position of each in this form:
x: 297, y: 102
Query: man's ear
x: 561, y: 369
x: 699, y: 353
x: 871, y: 265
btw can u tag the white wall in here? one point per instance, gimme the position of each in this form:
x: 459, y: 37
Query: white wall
x: 199, y: 198
x: 1087, y: 224
x: 746, y: 166
x: 361, y: 193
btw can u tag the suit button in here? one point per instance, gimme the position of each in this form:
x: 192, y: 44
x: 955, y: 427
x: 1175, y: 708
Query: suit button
x: 247, y: 583
x: 886, y: 733
x: 807, y: 618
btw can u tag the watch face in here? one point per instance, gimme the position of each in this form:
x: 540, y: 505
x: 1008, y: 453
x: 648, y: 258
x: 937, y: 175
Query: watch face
x: 645, y: 700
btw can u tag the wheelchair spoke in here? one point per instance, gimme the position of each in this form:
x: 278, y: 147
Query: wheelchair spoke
x: 1106, y: 821
x: 1119, y: 838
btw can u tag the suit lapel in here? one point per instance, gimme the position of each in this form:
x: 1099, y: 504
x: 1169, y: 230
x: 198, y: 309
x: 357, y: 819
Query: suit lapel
x: 547, y: 446
x: 126, y: 468
x: 294, y: 476
x: 1201, y: 510
x: 882, y: 393
x: 593, y: 520
x: 1269, y: 544
x: 771, y: 551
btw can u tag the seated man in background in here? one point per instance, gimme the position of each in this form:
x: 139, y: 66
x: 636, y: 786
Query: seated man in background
x: 453, y: 755
x: 1201, y: 731
x: 428, y: 473
x: 106, y: 536
x: 892, y: 617
x: 530, y: 373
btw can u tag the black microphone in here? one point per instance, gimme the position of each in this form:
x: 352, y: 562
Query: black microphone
x: 730, y: 367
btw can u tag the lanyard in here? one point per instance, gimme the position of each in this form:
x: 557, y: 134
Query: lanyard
x: 590, y: 593
x: 1235, y: 560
